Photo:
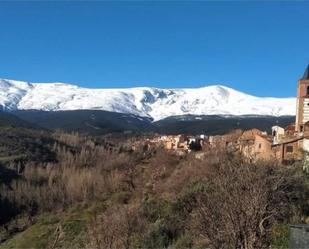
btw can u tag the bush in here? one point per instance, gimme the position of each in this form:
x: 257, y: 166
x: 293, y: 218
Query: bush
x: 280, y: 234
x: 166, y: 222
x: 159, y: 236
x: 183, y: 242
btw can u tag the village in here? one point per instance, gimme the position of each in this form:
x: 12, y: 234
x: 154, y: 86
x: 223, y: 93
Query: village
x: 285, y: 144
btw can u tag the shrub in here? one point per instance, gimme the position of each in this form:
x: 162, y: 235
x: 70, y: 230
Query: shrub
x: 183, y: 242
x: 279, y: 236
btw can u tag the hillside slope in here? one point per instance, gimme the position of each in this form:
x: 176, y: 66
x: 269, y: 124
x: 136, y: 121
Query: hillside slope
x: 97, y: 122
x: 21, y: 141
x: 87, y: 121
x: 215, y: 125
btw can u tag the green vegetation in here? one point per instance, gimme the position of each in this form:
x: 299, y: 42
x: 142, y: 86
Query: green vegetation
x: 214, y: 125
x: 38, y: 235
x: 97, y: 122
x: 10, y: 120
x: 280, y: 236
x: 18, y: 144
x: 62, y: 229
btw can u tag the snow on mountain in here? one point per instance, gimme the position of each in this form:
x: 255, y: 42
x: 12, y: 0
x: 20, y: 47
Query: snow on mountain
x: 143, y: 101
x: 11, y: 92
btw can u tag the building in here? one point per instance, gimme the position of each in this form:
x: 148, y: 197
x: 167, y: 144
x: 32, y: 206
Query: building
x: 286, y: 144
x: 277, y: 133
x: 289, y: 149
x: 228, y: 141
x: 290, y: 143
x: 256, y: 145
x: 302, y: 105
x: 171, y: 142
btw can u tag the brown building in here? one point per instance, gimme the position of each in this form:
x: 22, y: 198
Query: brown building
x: 289, y: 149
x: 291, y: 143
x: 228, y: 141
x: 175, y: 142
x: 302, y: 105
x: 256, y: 145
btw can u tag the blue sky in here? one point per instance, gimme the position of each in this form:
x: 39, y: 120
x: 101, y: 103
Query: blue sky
x: 261, y: 48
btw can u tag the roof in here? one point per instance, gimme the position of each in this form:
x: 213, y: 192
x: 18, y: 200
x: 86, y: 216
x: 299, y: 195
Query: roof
x: 253, y: 133
x: 306, y: 74
x: 291, y: 140
x: 290, y: 127
x: 250, y: 134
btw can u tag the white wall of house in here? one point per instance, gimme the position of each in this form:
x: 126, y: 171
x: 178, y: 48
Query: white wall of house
x: 279, y: 133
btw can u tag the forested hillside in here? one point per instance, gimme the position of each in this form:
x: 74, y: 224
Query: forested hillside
x: 96, y: 122
x: 148, y: 199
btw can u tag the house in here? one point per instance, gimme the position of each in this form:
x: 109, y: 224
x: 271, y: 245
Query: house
x: 277, y: 133
x: 228, y: 141
x: 290, y: 130
x: 256, y: 145
x: 175, y: 142
x: 289, y: 149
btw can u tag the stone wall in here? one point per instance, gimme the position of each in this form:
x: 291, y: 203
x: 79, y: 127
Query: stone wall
x: 299, y: 236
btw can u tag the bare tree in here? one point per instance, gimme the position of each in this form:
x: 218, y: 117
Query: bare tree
x: 241, y: 203
x: 114, y: 228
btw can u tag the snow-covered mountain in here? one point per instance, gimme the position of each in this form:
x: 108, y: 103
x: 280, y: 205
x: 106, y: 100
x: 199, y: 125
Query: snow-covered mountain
x: 143, y: 101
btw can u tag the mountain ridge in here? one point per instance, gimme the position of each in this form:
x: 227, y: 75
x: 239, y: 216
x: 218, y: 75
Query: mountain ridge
x: 151, y: 102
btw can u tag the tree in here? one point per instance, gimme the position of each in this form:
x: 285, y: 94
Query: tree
x: 114, y: 229
x: 241, y: 203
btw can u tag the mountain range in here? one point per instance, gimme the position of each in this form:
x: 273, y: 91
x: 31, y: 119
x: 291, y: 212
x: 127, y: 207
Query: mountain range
x: 145, y: 102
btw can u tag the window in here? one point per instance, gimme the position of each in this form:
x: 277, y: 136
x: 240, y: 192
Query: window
x: 289, y: 149
x: 307, y: 90
x: 301, y: 128
x: 260, y: 146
